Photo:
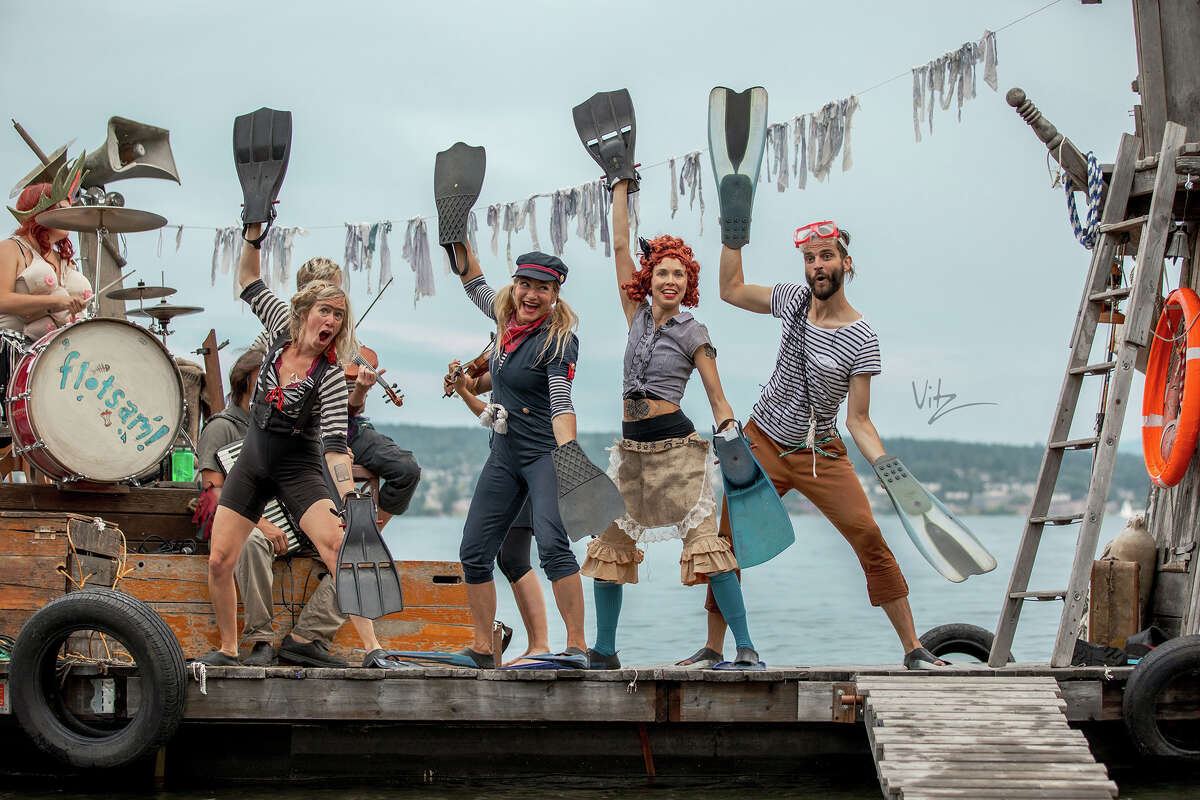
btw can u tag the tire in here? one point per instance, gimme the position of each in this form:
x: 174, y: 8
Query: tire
x: 1171, y: 661
x: 959, y: 638
x: 40, y: 707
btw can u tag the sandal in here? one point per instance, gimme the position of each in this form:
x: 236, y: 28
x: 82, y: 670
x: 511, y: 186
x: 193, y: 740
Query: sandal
x: 920, y: 658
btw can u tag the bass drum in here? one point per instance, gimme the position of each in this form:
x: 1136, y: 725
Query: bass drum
x: 98, y: 400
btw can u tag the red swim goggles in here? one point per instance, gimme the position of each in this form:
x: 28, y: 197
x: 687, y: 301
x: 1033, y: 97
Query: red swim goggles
x: 822, y: 230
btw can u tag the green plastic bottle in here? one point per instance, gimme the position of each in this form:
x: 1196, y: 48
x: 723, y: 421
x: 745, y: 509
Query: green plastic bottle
x: 183, y: 465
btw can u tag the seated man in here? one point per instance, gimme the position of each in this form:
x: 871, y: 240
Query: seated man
x: 308, y: 643
x: 397, y: 469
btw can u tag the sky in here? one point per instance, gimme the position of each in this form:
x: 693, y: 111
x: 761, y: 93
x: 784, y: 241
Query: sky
x: 967, y: 268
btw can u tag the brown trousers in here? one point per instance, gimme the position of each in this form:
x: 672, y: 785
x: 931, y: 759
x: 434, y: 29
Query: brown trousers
x: 840, y: 497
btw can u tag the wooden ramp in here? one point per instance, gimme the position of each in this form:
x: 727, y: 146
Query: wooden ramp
x: 938, y: 735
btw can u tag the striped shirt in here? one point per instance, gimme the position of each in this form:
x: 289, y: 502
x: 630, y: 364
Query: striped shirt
x: 484, y: 297
x: 332, y: 393
x: 830, y: 359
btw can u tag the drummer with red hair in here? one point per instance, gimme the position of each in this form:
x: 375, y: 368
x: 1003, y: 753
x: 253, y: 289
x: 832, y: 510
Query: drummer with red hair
x: 41, y: 287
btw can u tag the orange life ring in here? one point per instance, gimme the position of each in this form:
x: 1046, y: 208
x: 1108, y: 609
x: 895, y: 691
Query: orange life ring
x: 1171, y: 417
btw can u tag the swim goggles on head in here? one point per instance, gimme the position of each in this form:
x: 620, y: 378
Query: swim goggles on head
x: 822, y: 230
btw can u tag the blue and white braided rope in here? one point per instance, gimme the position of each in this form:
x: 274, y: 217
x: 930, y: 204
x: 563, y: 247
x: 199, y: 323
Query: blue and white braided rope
x: 1095, y: 188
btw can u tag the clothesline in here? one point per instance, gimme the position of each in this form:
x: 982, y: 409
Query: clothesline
x: 666, y: 161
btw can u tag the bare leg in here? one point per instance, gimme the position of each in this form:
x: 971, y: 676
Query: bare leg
x: 568, y: 595
x: 532, y: 605
x: 230, y: 531
x: 321, y: 527
x: 716, y: 632
x: 482, y: 599
x: 900, y: 614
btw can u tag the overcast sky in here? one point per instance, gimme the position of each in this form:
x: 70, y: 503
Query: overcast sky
x: 967, y: 267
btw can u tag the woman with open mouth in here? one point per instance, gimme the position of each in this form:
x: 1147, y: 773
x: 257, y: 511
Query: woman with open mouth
x: 664, y: 470
x: 300, y: 414
x: 530, y: 414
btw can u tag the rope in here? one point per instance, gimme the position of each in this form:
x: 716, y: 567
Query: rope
x: 1095, y: 188
x: 68, y: 659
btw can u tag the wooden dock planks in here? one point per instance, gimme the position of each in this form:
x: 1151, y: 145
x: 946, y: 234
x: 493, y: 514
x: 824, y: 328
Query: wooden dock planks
x: 940, y: 735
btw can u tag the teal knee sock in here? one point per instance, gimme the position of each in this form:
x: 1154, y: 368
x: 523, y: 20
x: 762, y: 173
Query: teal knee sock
x: 608, y: 611
x: 728, y: 591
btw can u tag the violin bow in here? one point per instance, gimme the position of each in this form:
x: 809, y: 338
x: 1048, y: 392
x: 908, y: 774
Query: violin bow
x: 378, y: 295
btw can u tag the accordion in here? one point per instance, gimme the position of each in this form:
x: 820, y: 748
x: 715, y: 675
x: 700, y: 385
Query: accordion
x: 275, y: 513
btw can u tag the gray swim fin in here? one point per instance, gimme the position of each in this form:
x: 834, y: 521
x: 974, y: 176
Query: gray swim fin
x: 588, y: 500
x: 606, y: 127
x: 760, y: 524
x: 737, y: 138
x: 942, y: 539
x: 367, y: 582
x: 457, y: 180
x: 262, y: 146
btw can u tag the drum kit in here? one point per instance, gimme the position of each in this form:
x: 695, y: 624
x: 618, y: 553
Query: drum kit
x: 100, y: 400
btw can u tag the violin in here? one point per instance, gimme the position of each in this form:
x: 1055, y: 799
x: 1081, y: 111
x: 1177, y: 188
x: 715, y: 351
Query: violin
x: 475, y: 367
x: 366, y: 357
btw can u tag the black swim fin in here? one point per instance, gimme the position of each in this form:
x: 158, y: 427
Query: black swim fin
x: 607, y: 128
x: 367, y: 582
x: 457, y: 180
x: 262, y: 146
x: 737, y: 138
x: 588, y: 500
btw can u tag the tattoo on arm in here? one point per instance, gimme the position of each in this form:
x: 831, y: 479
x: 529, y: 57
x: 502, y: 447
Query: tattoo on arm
x: 341, y: 473
x: 709, y: 350
x: 637, y: 408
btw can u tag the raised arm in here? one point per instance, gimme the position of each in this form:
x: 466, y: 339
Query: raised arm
x: 478, y: 292
x: 858, y: 418
x: 622, y: 254
x: 735, y: 290
x: 474, y: 271
x: 705, y: 358
x: 248, y: 267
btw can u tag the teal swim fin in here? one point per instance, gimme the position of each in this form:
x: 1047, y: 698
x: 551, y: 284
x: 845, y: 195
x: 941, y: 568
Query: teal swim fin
x: 367, y: 583
x: 737, y: 138
x: 760, y: 523
x: 942, y: 538
x: 463, y: 658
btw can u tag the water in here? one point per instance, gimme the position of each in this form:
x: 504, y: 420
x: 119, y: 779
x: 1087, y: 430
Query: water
x: 808, y: 605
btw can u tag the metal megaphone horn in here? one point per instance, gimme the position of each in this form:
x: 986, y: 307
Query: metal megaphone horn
x: 132, y: 150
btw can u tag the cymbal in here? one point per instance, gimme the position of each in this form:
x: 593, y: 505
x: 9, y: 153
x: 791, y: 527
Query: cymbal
x: 164, y: 312
x: 114, y: 219
x: 140, y: 292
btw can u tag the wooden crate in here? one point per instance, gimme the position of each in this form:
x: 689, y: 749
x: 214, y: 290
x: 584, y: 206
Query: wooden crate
x: 436, y: 614
x: 34, y: 545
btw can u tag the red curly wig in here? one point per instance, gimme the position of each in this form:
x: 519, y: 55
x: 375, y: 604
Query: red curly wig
x: 652, y: 254
x: 40, y: 234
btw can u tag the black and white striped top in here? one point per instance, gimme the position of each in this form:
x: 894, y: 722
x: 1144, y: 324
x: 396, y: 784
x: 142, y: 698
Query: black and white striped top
x: 832, y: 357
x: 332, y: 393
x: 484, y: 297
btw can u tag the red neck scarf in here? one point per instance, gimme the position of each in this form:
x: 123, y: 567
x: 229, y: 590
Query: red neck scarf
x: 515, y: 333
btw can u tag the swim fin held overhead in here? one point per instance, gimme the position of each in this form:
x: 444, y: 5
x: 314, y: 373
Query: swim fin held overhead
x: 737, y: 138
x: 457, y: 180
x: 588, y: 500
x: 941, y: 538
x: 606, y: 126
x: 367, y: 582
x: 760, y: 524
x: 262, y: 146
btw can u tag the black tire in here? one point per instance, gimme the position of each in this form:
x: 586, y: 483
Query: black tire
x: 1178, y: 659
x: 39, y: 704
x: 959, y: 638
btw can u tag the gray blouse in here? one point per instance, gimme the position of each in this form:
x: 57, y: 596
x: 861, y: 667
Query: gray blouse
x: 658, y: 361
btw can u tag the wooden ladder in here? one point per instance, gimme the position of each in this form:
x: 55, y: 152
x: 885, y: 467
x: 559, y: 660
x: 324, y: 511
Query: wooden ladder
x: 1115, y: 227
x: 936, y: 735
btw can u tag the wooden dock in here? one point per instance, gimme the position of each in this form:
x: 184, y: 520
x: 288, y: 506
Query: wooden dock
x: 938, y: 735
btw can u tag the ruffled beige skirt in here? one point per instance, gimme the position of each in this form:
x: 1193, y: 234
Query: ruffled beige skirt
x: 668, y: 492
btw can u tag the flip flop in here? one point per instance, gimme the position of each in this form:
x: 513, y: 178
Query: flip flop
x: 746, y: 661
x: 920, y: 658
